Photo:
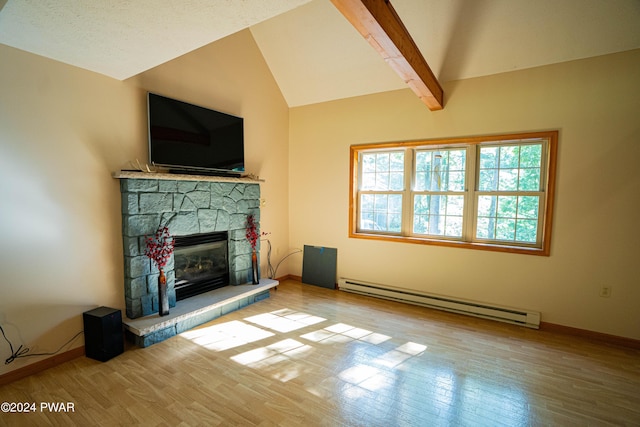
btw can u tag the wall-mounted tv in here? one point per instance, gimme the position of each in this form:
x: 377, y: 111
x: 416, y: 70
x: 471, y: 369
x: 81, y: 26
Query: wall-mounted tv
x: 192, y: 139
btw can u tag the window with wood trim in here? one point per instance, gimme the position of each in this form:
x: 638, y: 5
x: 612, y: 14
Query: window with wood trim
x: 491, y: 193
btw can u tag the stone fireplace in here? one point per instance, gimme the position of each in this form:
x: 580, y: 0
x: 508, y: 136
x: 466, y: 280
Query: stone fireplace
x: 192, y: 207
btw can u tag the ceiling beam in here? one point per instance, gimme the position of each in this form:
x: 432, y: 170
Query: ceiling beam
x: 381, y: 26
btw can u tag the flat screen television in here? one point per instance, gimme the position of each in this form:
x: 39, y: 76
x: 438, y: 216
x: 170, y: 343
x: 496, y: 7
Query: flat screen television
x: 187, y: 138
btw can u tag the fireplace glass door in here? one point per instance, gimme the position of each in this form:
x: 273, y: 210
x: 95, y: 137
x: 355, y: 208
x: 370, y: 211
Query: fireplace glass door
x: 201, y: 263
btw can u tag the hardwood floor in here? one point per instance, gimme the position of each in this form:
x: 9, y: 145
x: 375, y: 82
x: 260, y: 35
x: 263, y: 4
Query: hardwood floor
x: 309, y: 356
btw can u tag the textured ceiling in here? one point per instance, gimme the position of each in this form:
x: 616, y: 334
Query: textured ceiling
x: 121, y: 38
x: 313, y: 52
x: 316, y: 55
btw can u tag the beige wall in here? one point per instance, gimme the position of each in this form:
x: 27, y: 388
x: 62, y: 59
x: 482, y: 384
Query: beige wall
x: 63, y: 131
x: 594, y: 103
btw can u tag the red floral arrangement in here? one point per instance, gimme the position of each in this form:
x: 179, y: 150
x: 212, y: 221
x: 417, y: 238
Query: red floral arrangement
x: 252, y: 231
x: 160, y: 247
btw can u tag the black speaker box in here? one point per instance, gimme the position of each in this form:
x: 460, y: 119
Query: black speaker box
x: 103, y: 337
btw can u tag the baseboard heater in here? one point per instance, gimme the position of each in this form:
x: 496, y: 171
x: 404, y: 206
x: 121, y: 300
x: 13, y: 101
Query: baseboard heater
x: 530, y: 319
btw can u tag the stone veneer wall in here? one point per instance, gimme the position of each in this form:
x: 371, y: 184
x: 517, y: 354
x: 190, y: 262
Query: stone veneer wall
x: 186, y: 207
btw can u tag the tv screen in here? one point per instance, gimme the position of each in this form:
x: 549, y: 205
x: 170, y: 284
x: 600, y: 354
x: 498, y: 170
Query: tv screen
x: 186, y: 137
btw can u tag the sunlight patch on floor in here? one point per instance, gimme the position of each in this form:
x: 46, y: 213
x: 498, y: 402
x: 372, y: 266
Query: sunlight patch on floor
x: 317, y: 336
x: 225, y: 336
x: 375, y: 338
x: 340, y: 333
x: 357, y: 374
x: 284, y: 320
x: 382, y: 371
x: 392, y: 358
x: 287, y: 359
x: 379, y: 381
x: 412, y: 348
x: 279, y: 353
x: 400, y: 354
x: 252, y: 356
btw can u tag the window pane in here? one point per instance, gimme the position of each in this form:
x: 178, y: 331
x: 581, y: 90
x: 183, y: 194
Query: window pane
x: 488, y: 157
x: 526, y: 230
x: 456, y: 181
x: 440, y: 170
x: 485, y: 228
x: 454, y: 226
x: 366, y: 202
x: 381, y: 212
x: 512, y: 218
x: 382, y: 162
x: 457, y: 160
x: 505, y: 229
x: 437, y: 204
x: 396, y: 181
x: 424, y: 174
x: 422, y: 181
x: 381, y: 202
x: 423, y: 161
x: 528, y: 207
x: 438, y: 215
x: 488, y: 180
x: 507, y: 206
x: 453, y: 165
x: 382, y: 181
x: 397, y: 161
x: 516, y: 169
x: 368, y: 162
x: 395, y: 222
x: 368, y: 181
x: 366, y: 221
x: 508, y: 180
x: 421, y: 205
x: 380, y: 220
x: 509, y: 157
x: 530, y: 156
x: 420, y: 224
x: 395, y: 203
x: 436, y: 225
x: 529, y: 179
x: 487, y: 206
x: 383, y: 171
x: 421, y: 214
x: 455, y: 205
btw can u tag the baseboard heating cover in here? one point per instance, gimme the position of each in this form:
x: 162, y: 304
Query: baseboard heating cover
x: 530, y: 319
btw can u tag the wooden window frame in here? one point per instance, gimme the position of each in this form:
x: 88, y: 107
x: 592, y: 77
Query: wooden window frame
x: 548, y: 174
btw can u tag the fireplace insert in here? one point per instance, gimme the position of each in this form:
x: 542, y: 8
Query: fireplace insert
x: 201, y: 263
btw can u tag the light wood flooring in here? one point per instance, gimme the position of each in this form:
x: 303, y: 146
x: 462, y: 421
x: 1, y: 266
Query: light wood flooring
x: 310, y: 356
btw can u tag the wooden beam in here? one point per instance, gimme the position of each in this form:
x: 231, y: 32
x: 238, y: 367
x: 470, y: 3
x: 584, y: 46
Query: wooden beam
x: 381, y: 26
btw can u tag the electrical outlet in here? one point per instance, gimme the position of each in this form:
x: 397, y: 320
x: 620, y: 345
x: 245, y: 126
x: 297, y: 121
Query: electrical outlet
x: 605, y: 291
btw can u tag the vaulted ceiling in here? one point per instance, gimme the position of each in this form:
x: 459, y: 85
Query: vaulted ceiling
x: 314, y: 53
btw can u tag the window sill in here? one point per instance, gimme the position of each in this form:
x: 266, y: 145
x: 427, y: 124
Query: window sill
x: 453, y: 244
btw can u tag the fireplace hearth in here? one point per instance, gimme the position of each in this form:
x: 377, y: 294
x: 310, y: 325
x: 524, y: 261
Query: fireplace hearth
x: 201, y: 263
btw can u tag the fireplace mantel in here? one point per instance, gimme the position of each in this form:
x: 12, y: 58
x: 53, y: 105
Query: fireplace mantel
x: 127, y: 174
